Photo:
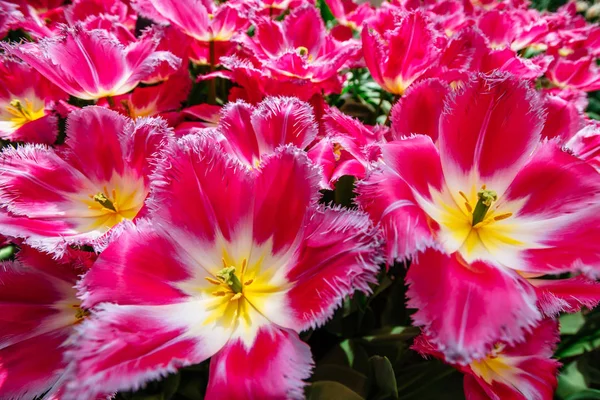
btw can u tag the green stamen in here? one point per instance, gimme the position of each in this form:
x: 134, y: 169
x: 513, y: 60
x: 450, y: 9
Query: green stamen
x: 486, y: 198
x: 104, y: 201
x: 228, y: 276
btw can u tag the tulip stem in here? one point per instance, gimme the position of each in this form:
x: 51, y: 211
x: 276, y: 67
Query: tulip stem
x: 212, y: 89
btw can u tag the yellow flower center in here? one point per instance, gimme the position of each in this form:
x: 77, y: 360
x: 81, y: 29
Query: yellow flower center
x: 22, y: 113
x: 229, y: 282
x: 494, y: 367
x: 80, y: 313
x: 470, y: 223
x: 485, y: 199
x: 109, y: 207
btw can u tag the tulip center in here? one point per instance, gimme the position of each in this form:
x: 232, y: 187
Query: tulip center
x: 494, y: 367
x: 108, y: 207
x: 229, y: 281
x: 106, y: 202
x: 23, y: 113
x: 485, y: 198
x: 80, y: 313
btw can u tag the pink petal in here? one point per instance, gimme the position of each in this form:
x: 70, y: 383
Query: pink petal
x: 563, y: 120
x: 390, y: 203
x: 304, y: 27
x: 94, y: 142
x: 417, y: 161
x: 466, y: 309
x: 338, y: 255
x: 280, y: 362
x: 29, y: 368
x: 42, y: 130
x: 236, y: 126
x: 283, y: 120
x: 123, y: 347
x: 35, y: 182
x: 492, y: 126
x: 285, y: 190
x: 209, y: 207
x: 558, y: 197
x: 92, y: 64
x: 419, y: 111
x: 141, y: 267
x: 566, y: 295
x: 191, y: 16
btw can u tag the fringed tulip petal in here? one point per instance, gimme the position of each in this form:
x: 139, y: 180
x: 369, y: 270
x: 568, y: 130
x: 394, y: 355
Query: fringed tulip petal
x: 280, y: 361
x: 38, y: 311
x: 77, y: 193
x: 92, y: 64
x: 338, y: 256
x: 458, y: 304
x: 566, y: 295
x: 390, y: 202
x: 476, y: 137
x: 419, y: 111
x: 122, y: 347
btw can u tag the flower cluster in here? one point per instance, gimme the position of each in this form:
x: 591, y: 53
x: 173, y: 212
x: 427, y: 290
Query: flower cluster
x: 184, y: 181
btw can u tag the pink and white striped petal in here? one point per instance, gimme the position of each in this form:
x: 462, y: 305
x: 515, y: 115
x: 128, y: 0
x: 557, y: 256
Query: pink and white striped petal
x: 390, y: 203
x: 466, y: 308
x: 566, y: 295
x: 419, y: 111
x: 339, y: 254
x: 478, y: 141
x: 280, y: 363
x: 121, y: 347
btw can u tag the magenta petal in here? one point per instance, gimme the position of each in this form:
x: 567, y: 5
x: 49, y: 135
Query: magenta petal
x: 279, y: 363
x: 559, y: 208
x: 36, y: 182
x: 94, y: 144
x: 492, y: 126
x: 191, y: 16
x: 210, y: 206
x: 123, y: 347
x: 141, y: 267
x: 29, y: 368
x: 466, y: 309
x: 390, y: 203
x: 417, y: 161
x: 566, y: 295
x: 285, y: 190
x: 283, y: 120
x: 339, y: 254
x: 236, y: 126
x: 419, y: 111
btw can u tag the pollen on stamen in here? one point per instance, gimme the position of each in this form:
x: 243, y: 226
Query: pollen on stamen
x: 248, y: 282
x: 243, y: 269
x: 219, y: 293
x: 467, y: 204
x: 503, y: 216
x: 236, y: 296
x: 212, y: 280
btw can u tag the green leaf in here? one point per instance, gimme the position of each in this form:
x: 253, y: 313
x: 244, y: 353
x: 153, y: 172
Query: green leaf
x: 570, y: 381
x: 588, y: 394
x: 327, y: 390
x: 349, y: 377
x: 383, y: 380
x: 570, y: 324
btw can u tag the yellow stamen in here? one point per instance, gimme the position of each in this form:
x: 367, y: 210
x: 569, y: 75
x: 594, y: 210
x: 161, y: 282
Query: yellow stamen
x: 219, y: 293
x: 243, y: 269
x: 503, y: 216
x: 212, y: 280
x: 237, y: 296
